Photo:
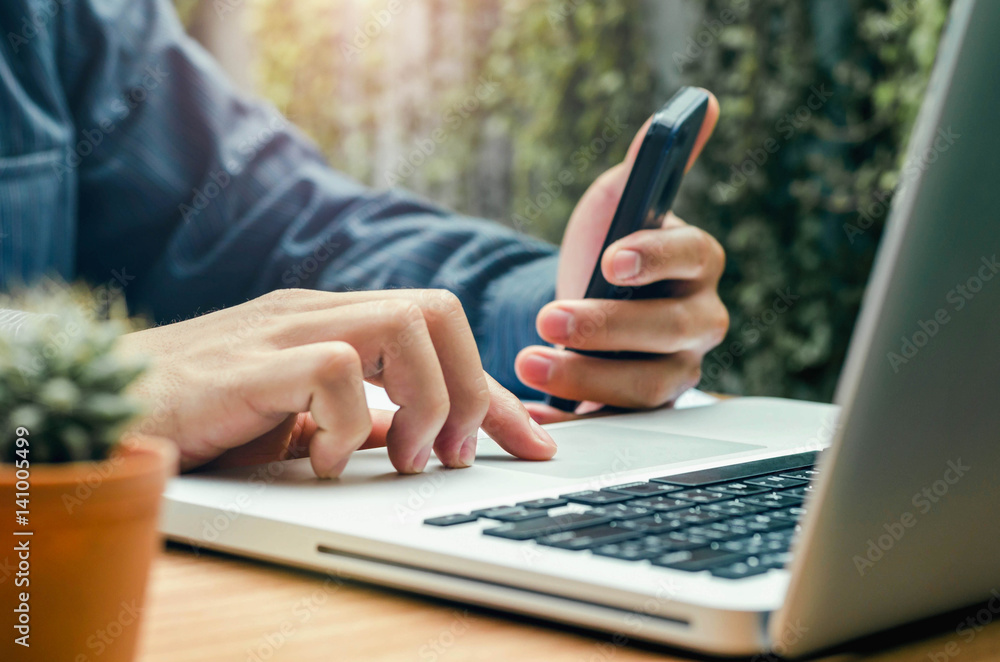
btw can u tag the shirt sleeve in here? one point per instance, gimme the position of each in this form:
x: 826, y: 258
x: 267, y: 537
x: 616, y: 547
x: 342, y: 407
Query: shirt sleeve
x: 200, y: 198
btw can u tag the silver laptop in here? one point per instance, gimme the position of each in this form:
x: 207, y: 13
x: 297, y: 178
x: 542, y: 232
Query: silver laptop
x: 737, y: 526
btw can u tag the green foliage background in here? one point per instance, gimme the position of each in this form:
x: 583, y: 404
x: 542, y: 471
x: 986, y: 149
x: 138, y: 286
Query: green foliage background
x: 566, y: 66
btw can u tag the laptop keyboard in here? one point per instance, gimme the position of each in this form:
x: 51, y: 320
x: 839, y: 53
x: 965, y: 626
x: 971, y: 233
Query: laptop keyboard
x: 735, y: 521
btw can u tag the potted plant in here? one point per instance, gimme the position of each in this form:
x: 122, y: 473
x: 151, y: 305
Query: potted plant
x: 79, y: 496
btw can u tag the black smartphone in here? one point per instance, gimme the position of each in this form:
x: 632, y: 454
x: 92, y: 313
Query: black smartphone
x: 649, y: 194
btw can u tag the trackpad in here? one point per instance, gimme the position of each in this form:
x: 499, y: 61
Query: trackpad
x: 596, y: 449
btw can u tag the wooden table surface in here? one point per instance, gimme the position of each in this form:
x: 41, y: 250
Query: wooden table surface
x: 214, y: 608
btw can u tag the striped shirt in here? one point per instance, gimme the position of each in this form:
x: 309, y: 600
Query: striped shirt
x: 127, y: 159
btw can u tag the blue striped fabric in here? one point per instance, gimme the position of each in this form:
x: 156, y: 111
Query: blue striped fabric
x: 127, y: 159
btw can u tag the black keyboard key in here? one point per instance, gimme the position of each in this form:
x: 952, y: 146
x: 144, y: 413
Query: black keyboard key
x: 756, y: 545
x: 699, y: 496
x: 543, y: 526
x: 697, y: 515
x: 596, y: 497
x: 737, y: 489
x: 775, y: 560
x: 642, y: 489
x: 738, y: 570
x: 739, y: 472
x: 762, y: 523
x: 677, y: 541
x: 711, y: 533
x: 696, y: 560
x: 591, y: 536
x: 498, y: 513
x: 735, y: 508
x: 803, y: 474
x: 630, y: 550
x: 775, y: 500
x: 482, y: 512
x: 777, y: 482
x: 517, y: 515
x: 621, y: 511
x: 450, y: 520
x: 661, y: 504
x: 658, y: 523
x: 729, y: 531
x: 795, y: 513
x: 544, y: 503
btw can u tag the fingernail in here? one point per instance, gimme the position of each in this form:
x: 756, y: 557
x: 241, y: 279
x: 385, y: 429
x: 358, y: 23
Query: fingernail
x: 542, y: 435
x: 467, y: 455
x: 420, y: 460
x: 537, y: 368
x: 558, y: 323
x: 626, y: 264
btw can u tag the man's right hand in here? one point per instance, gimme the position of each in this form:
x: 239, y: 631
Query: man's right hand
x: 281, y: 376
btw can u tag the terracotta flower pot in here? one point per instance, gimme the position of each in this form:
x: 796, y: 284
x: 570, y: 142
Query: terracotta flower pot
x: 93, y: 536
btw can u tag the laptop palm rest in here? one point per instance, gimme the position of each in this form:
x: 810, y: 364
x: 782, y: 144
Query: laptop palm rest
x: 602, y: 449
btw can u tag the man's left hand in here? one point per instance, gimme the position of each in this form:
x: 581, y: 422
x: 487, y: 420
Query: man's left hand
x: 679, y: 330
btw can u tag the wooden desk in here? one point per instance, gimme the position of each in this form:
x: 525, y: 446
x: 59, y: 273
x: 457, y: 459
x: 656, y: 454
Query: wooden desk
x: 215, y: 608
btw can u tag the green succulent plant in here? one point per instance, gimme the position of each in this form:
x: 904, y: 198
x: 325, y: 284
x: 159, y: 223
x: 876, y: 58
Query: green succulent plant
x: 60, y: 377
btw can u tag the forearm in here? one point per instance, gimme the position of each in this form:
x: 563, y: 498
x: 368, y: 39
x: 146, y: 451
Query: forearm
x: 207, y: 199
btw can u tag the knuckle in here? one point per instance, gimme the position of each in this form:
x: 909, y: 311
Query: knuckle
x: 283, y: 295
x: 718, y: 255
x: 480, y: 398
x: 438, y: 407
x: 338, y: 359
x: 441, y: 305
x: 401, y: 311
x: 653, y: 389
x: 695, y: 377
x: 712, y: 252
x: 720, y: 323
x: 682, y: 321
x: 401, y: 315
x: 705, y: 250
x: 361, y: 427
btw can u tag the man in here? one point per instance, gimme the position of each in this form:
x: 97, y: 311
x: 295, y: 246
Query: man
x: 125, y: 153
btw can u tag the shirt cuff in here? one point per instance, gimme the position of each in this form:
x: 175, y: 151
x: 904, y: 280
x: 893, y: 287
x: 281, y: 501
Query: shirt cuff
x: 511, y: 305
